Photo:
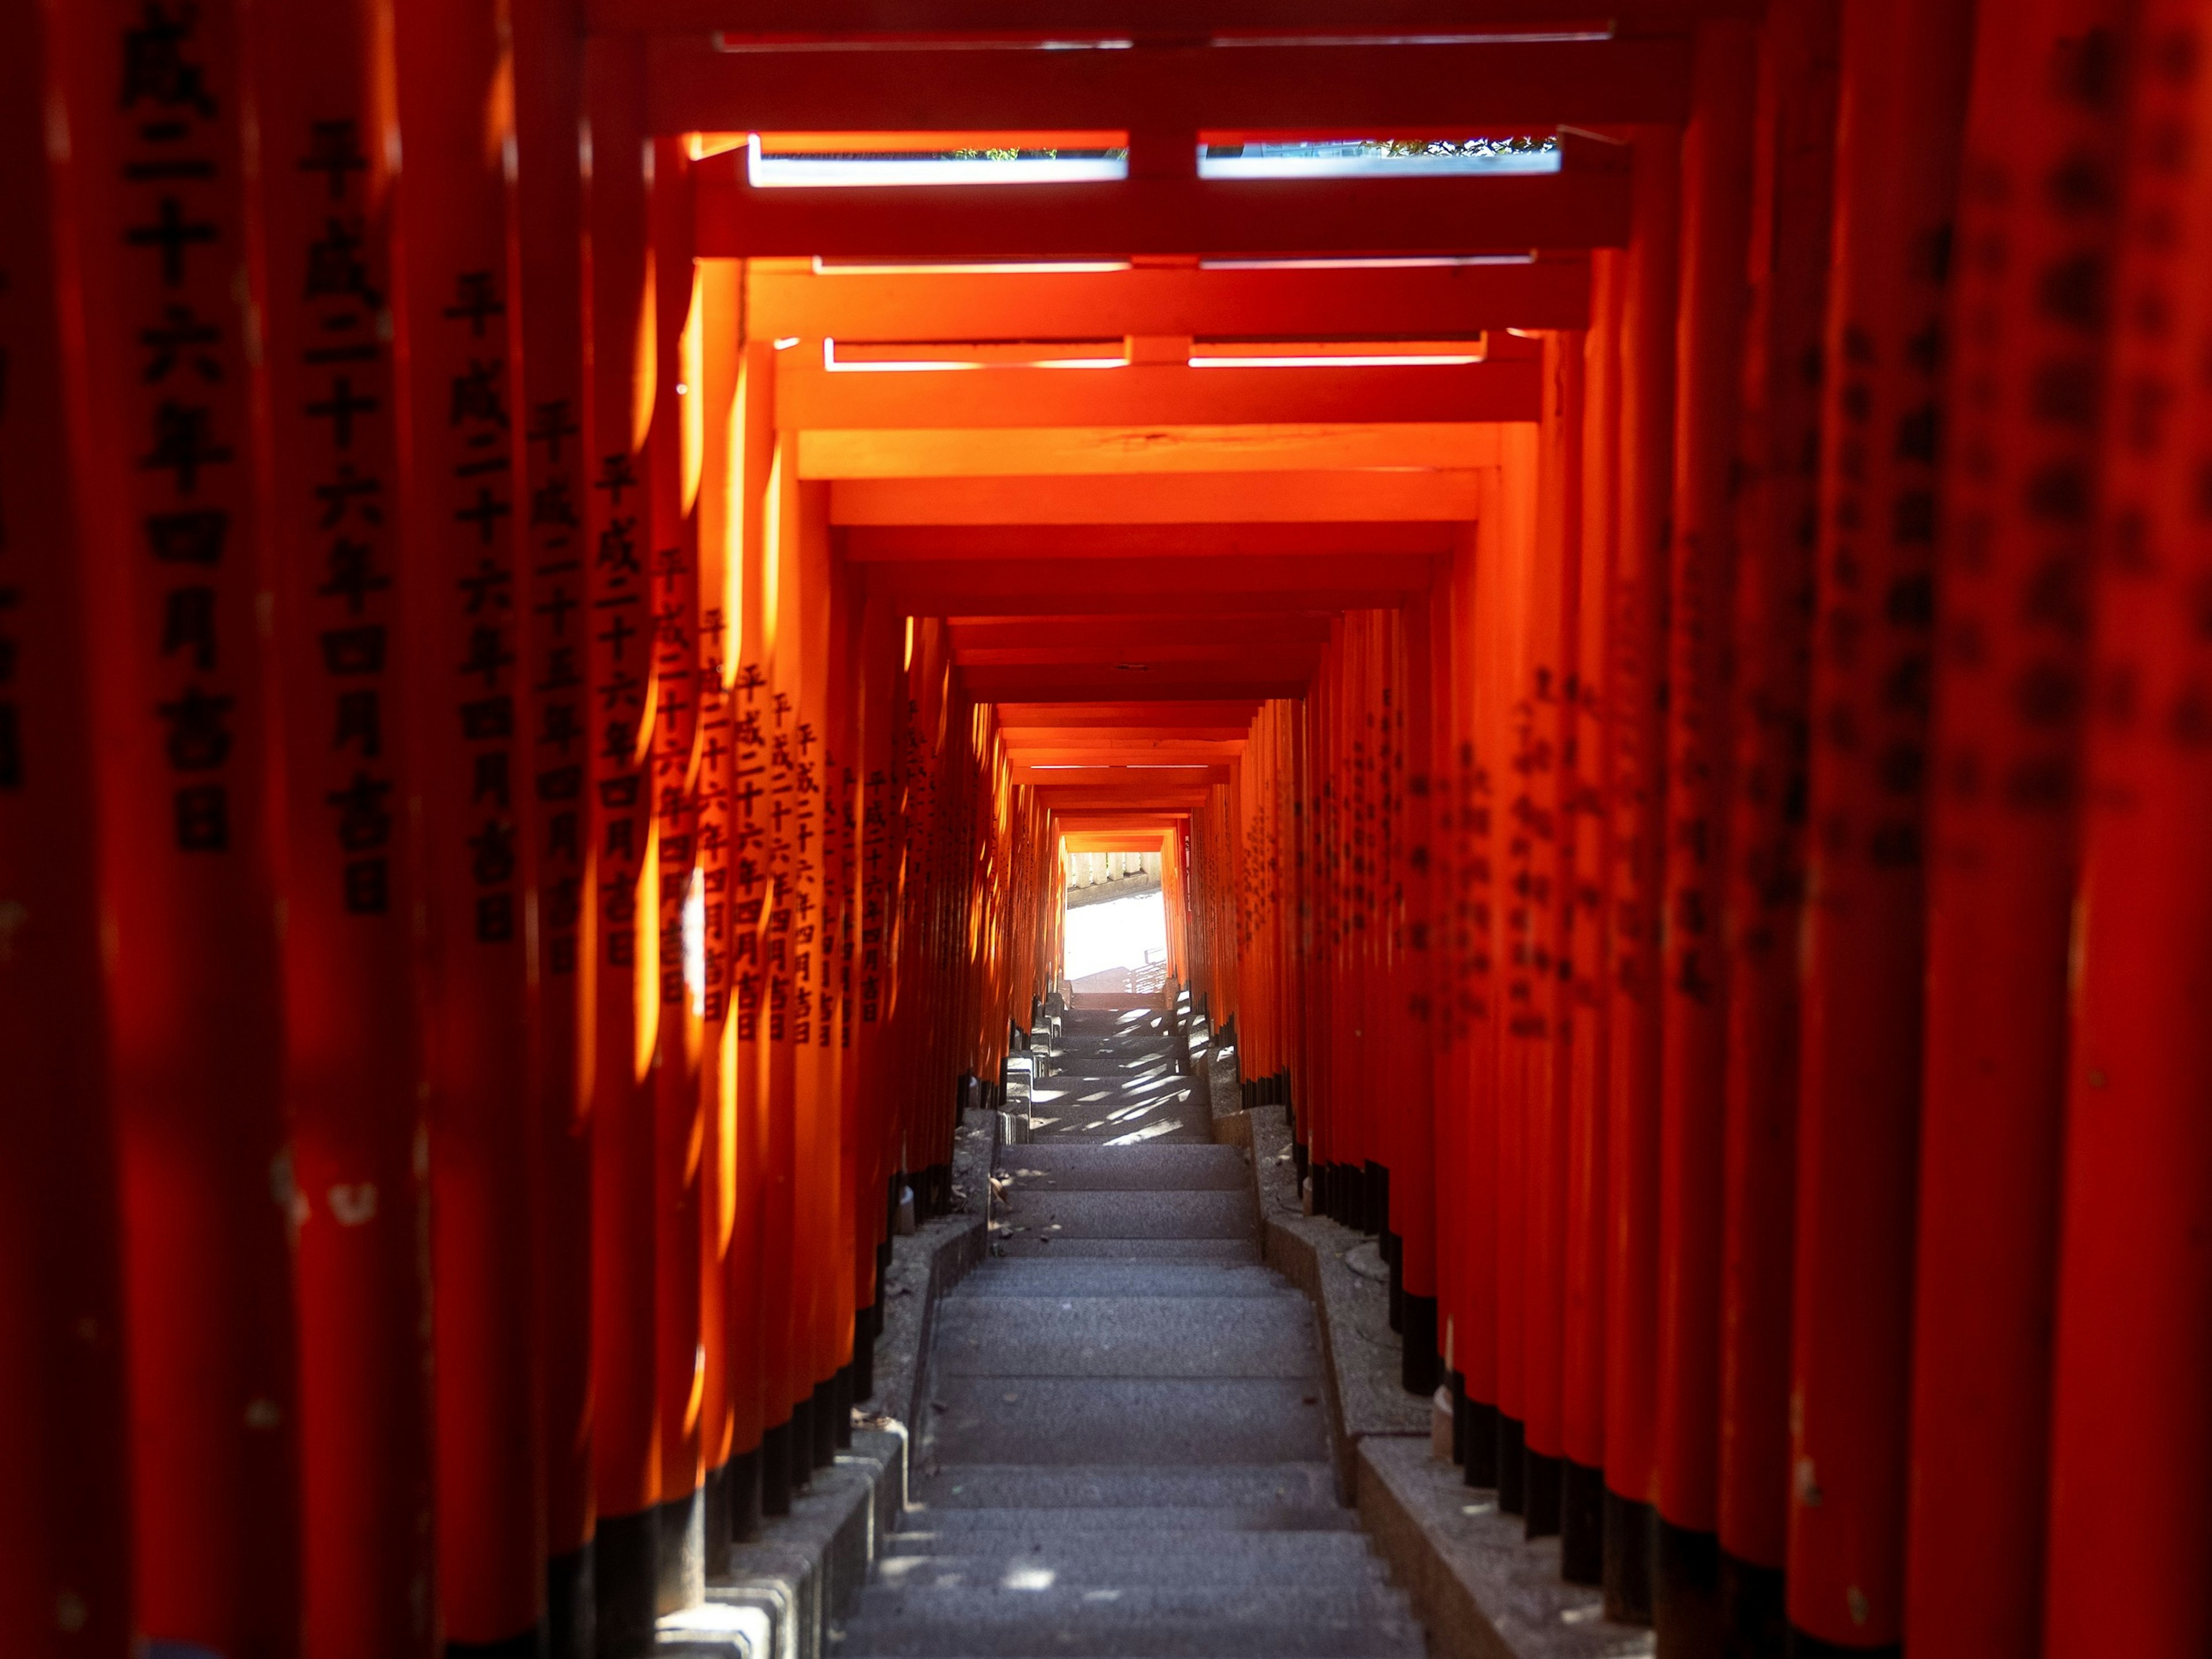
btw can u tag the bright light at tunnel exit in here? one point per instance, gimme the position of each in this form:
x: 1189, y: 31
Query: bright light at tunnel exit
x: 1129, y: 934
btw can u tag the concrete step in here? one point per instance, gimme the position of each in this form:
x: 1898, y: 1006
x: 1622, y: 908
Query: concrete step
x: 1052, y: 1420
x: 1076, y: 1168
x: 1131, y: 1214
x: 1125, y: 1336
x: 1029, y: 1244
x: 1073, y: 1276
x: 1241, y: 1628
x: 999, y: 1493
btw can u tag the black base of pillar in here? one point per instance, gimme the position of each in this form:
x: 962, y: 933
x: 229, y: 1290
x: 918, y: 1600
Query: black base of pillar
x: 1513, y: 1465
x: 1686, y: 1592
x: 680, y: 1575
x: 1803, y: 1646
x: 802, y: 1443
x: 1393, y: 1257
x: 1457, y: 1384
x: 1299, y: 1166
x: 1481, y: 1445
x: 1420, y: 1366
x: 718, y: 1522
x: 1582, y: 1523
x: 776, y: 1470
x: 524, y: 1644
x: 570, y: 1617
x: 1374, y: 1216
x: 1627, y: 1560
x: 822, y: 1411
x: 860, y: 1378
x: 842, y: 1392
x: 626, y: 1570
x: 744, y: 1471
x: 1754, y: 1615
x: 1541, y: 1498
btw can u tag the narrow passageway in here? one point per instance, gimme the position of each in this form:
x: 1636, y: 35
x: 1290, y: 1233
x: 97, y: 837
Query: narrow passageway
x: 1128, y: 1449
x: 1598, y: 613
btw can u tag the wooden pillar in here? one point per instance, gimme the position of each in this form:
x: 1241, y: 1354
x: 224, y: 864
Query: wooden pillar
x: 460, y: 461
x: 1586, y: 805
x: 1793, y: 162
x: 1413, y: 1179
x: 1638, y: 799
x: 351, y: 619
x: 621, y: 939
x: 1716, y: 165
x: 1903, y: 104
x: 671, y: 772
x: 65, y: 1438
x: 545, y: 283
x: 752, y: 461
x: 713, y: 350
x: 2129, y: 1450
x: 1537, y: 1021
x: 2020, y: 494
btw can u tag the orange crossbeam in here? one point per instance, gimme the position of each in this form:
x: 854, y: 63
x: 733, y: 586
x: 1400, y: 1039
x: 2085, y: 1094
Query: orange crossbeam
x: 788, y: 298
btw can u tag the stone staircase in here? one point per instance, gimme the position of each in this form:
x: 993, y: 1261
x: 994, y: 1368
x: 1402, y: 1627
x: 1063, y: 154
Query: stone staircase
x: 1128, y: 1455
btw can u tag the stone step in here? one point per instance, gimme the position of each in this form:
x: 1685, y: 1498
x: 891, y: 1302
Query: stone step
x: 1230, y: 1596
x: 1242, y: 1628
x: 1193, y: 1523
x: 1120, y: 1558
x: 1052, y: 1420
x: 1130, y: 1214
x: 1184, y: 1121
x: 1002, y: 1491
x: 1124, y: 1336
x: 1029, y: 1244
x: 1175, y: 1564
x: 1073, y: 1276
x: 1076, y: 1168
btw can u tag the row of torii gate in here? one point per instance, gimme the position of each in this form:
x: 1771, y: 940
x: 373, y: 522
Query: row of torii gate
x: 547, y: 688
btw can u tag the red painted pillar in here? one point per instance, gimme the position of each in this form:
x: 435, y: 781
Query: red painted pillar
x: 351, y: 615
x: 715, y: 351
x: 672, y: 771
x: 1506, y: 636
x: 1903, y: 104
x: 1794, y: 157
x: 785, y: 1302
x: 150, y: 239
x: 1587, y: 859
x: 65, y: 1542
x: 2021, y: 491
x: 743, y: 1052
x: 2130, y: 1447
x: 1471, y: 1321
x: 460, y: 455
x: 1538, y: 1021
x: 1413, y: 1179
x: 1637, y: 729
x: 545, y: 280
x: 1716, y: 160
x: 621, y: 939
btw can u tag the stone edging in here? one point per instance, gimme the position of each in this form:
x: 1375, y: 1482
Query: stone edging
x: 784, y: 1590
x: 1483, y: 1589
